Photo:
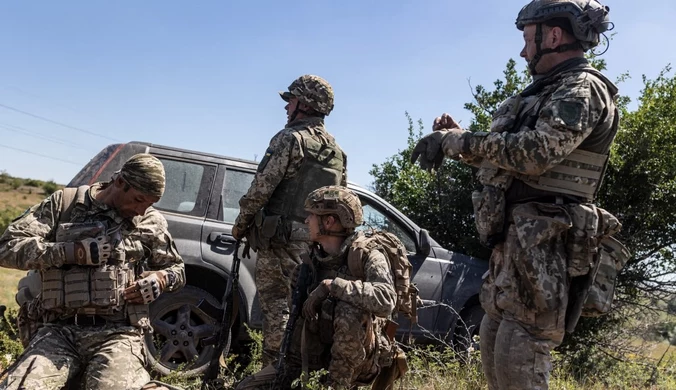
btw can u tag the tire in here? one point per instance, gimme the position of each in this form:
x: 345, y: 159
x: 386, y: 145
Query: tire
x: 466, y: 328
x: 174, y: 346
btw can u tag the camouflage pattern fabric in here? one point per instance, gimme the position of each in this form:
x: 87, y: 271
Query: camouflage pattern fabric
x: 28, y: 244
x: 526, y: 290
x: 282, y: 160
x: 111, y: 357
x: 272, y: 275
x: 145, y: 173
x: 312, y: 90
x: 353, y: 357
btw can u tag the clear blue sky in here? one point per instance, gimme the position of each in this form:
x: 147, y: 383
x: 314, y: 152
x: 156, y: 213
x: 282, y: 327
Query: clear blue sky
x: 205, y: 74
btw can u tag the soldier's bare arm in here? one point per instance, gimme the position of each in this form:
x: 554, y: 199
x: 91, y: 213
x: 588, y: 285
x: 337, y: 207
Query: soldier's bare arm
x: 376, y: 294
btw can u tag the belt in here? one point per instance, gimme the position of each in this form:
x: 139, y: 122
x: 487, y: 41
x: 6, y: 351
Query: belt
x: 90, y: 320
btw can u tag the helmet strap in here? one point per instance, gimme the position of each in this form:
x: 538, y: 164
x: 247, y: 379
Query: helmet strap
x: 539, y: 51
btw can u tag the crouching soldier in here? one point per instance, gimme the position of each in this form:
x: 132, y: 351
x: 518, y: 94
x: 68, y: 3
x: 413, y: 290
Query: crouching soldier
x: 103, y: 254
x: 352, y: 298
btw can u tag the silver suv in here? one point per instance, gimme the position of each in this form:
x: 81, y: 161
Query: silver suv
x: 200, y: 204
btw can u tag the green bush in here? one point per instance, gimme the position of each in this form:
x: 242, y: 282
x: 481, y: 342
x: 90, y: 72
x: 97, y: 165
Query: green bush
x: 7, y: 215
x: 50, y: 187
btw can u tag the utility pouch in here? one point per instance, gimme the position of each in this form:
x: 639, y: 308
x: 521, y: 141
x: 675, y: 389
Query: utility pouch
x: 107, y: 286
x: 612, y: 256
x: 489, y: 213
x: 581, y: 241
x: 139, y: 316
x: 590, y: 224
x: 76, y: 287
x: 52, y: 289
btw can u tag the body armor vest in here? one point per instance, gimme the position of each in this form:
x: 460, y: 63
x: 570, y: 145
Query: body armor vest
x: 85, y: 290
x: 323, y: 165
x: 579, y: 175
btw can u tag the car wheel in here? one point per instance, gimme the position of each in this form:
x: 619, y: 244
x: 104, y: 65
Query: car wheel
x: 178, y: 328
x: 468, y: 327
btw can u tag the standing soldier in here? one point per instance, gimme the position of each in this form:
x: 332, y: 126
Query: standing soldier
x: 103, y: 254
x: 540, y: 166
x: 351, y: 298
x: 301, y: 158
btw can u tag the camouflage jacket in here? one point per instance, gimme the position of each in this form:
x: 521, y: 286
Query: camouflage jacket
x: 284, y: 157
x: 374, y: 294
x: 571, y: 107
x: 28, y: 242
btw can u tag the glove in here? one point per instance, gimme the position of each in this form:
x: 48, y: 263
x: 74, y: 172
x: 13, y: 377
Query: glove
x: 148, y: 288
x: 238, y: 233
x: 430, y: 151
x: 315, y: 299
x: 246, y: 252
x: 90, y: 251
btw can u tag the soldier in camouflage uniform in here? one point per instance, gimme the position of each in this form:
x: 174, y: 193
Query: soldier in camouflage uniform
x: 301, y: 158
x: 540, y: 167
x: 340, y: 328
x: 103, y: 257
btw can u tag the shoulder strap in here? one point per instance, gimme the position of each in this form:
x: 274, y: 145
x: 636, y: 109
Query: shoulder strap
x: 69, y: 199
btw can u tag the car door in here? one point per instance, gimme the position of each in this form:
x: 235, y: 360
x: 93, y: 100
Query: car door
x: 427, y: 272
x: 217, y: 243
x: 185, y: 202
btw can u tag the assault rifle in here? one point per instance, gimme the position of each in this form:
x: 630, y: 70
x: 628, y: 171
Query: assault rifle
x: 297, y: 299
x: 221, y: 340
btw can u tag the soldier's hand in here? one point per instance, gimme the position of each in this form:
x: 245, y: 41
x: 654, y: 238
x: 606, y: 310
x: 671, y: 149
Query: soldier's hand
x: 148, y: 288
x: 90, y: 251
x: 315, y: 299
x: 238, y: 233
x: 429, y: 151
x: 444, y: 121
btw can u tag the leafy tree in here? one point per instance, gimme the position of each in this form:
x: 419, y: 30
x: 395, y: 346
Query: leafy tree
x: 442, y: 201
x: 639, y: 187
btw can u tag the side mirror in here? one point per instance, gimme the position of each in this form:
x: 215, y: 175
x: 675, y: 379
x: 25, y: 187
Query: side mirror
x: 424, y: 247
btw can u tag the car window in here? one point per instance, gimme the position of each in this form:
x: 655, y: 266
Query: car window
x: 187, y: 186
x: 236, y: 184
x: 373, y: 218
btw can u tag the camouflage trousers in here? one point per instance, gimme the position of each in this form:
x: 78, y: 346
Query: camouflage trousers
x: 273, y: 272
x: 353, y: 352
x: 525, y: 296
x: 110, y: 357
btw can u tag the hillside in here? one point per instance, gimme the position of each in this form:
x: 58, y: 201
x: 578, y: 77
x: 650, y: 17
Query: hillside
x: 16, y: 195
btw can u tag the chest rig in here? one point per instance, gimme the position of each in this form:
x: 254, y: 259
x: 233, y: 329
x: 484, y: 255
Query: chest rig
x: 73, y: 290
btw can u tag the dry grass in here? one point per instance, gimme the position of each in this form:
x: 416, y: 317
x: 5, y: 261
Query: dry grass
x: 8, y: 281
x: 21, y: 198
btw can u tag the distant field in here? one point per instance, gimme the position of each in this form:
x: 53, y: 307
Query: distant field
x: 14, y: 199
x: 8, y: 281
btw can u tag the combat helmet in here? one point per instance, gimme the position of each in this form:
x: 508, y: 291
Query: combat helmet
x: 313, y: 91
x: 588, y: 18
x: 336, y: 200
